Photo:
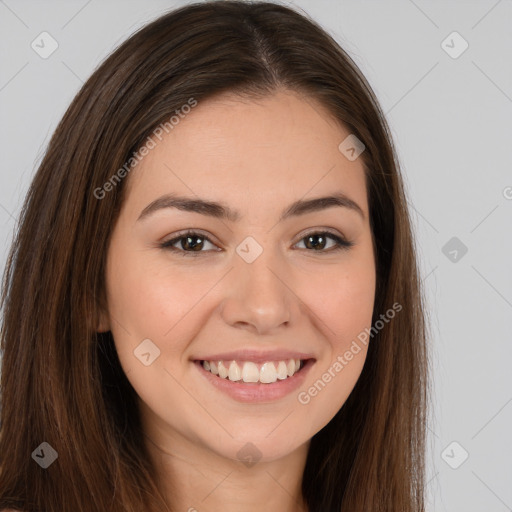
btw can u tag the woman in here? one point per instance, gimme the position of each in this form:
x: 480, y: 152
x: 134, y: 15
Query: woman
x: 213, y: 302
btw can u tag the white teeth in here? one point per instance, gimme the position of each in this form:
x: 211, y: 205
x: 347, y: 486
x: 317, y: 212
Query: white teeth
x: 268, y: 373
x: 281, y: 370
x: 248, y: 371
x: 223, y: 372
x: 234, y: 372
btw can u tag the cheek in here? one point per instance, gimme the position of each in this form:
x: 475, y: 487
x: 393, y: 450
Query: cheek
x: 149, y: 301
x: 152, y: 300
x: 342, y: 297
x: 343, y: 301
x: 347, y: 314
x: 348, y: 308
x: 146, y: 297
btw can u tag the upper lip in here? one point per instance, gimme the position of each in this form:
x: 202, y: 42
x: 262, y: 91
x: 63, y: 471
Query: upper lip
x: 256, y: 356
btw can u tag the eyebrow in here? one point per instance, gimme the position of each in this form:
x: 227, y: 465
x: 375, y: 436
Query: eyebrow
x: 222, y: 211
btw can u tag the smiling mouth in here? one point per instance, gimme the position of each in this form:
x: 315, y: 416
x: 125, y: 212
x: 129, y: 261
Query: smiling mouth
x: 247, y: 372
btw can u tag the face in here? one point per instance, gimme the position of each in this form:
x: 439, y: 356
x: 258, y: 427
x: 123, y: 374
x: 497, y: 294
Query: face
x: 265, y: 283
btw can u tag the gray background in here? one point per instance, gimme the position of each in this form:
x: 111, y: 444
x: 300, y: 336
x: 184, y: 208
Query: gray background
x: 451, y: 121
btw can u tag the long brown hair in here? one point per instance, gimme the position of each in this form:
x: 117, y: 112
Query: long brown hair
x: 62, y: 382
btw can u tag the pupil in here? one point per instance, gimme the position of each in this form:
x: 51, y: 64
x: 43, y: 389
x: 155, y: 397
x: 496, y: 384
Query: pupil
x: 193, y: 245
x: 311, y: 237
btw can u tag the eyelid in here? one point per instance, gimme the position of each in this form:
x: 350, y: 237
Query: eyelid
x: 340, y: 240
x: 188, y: 232
x: 321, y: 229
x: 167, y: 243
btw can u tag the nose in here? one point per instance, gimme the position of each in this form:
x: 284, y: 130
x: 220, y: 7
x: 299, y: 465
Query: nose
x: 258, y: 297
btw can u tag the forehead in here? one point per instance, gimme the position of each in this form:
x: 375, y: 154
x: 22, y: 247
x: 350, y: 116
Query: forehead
x: 283, y: 146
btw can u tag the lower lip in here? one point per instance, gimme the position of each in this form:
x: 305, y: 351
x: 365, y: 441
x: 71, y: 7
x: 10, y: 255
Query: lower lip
x: 257, y: 391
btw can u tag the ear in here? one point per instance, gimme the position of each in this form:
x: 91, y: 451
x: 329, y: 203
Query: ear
x: 98, y: 318
x: 103, y: 322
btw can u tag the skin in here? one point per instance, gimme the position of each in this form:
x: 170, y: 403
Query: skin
x: 282, y: 148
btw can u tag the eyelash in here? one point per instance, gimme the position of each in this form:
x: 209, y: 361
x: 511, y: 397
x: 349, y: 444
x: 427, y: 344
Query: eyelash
x: 341, y: 244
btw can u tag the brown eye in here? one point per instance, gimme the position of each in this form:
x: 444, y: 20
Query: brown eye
x: 191, y: 243
x: 317, y: 241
